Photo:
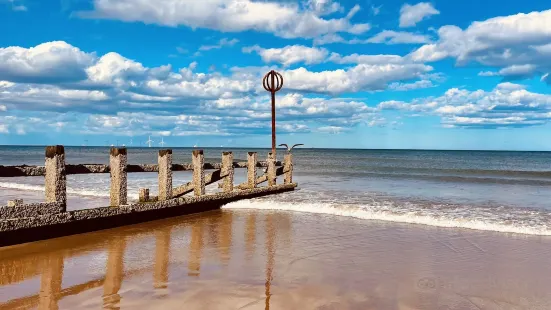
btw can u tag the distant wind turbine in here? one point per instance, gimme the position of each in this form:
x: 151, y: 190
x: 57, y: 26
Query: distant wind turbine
x: 149, y: 141
x: 162, y: 143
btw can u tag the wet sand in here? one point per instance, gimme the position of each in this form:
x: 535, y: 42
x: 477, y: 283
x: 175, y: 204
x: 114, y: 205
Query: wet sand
x: 246, y: 259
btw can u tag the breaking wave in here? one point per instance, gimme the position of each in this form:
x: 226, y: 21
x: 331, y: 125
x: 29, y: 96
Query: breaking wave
x: 499, y: 219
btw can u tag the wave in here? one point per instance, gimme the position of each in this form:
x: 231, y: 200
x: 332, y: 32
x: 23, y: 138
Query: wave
x: 432, y: 177
x: 78, y: 192
x: 499, y: 219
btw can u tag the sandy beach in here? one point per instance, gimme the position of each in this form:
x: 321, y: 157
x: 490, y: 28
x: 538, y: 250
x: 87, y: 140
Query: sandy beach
x: 240, y: 259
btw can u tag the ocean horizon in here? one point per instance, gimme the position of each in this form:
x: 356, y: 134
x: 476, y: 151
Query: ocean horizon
x: 278, y: 148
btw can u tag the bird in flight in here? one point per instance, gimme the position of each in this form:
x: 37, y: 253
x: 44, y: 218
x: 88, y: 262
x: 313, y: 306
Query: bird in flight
x: 289, y: 149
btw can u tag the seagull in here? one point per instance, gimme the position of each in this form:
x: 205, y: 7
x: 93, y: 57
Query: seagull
x: 291, y: 148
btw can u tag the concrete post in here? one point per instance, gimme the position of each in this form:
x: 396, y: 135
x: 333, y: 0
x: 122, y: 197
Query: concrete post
x: 227, y: 171
x: 56, y: 179
x: 272, y: 177
x: 117, y: 165
x: 288, y: 168
x: 198, y: 161
x: 144, y: 195
x: 251, y: 169
x: 165, y: 174
x: 15, y: 203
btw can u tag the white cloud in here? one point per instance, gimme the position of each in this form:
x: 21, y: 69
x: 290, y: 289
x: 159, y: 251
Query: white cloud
x: 513, y: 72
x: 507, y: 105
x: 411, y: 86
x: 520, y: 45
x: 398, y: 37
x: 362, y: 77
x: 223, y: 42
x: 114, y: 90
x: 291, y: 54
x: 332, y: 129
x: 45, y: 63
x: 329, y: 38
x: 410, y: 15
x: 385, y: 36
x: 376, y: 10
x: 324, y: 7
x: 367, y: 59
x: 287, y: 20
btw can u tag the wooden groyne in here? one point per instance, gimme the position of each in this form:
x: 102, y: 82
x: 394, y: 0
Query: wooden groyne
x: 20, y: 222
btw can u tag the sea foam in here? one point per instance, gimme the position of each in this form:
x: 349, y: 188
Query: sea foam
x: 475, y: 220
x: 72, y: 191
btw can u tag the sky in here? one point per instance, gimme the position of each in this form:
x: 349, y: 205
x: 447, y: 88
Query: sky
x: 389, y: 74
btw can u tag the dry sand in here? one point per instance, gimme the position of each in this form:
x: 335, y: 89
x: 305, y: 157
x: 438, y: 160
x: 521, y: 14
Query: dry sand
x: 277, y: 260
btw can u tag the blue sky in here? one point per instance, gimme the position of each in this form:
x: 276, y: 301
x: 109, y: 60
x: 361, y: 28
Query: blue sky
x: 358, y: 74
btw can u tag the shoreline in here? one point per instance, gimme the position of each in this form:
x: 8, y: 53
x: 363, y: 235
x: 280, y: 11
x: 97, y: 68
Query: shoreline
x: 246, y: 258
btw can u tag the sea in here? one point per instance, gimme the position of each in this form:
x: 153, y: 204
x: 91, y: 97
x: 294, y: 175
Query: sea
x: 508, y: 192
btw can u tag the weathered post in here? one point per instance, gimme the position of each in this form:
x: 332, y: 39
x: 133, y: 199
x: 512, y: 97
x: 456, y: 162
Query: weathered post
x: 198, y: 162
x: 15, y: 203
x: 117, y: 165
x: 227, y: 171
x: 251, y: 169
x: 272, y: 177
x: 56, y: 179
x: 288, y: 168
x: 144, y: 195
x: 165, y: 174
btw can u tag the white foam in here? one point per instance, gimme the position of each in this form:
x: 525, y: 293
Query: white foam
x: 78, y: 192
x: 386, y: 214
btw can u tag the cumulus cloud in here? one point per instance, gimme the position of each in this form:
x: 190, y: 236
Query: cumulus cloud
x: 370, y: 73
x: 507, y: 105
x: 410, y: 15
x: 50, y: 62
x: 112, y: 92
x: 289, y: 55
x: 519, y: 45
x: 362, y: 77
x: 284, y: 19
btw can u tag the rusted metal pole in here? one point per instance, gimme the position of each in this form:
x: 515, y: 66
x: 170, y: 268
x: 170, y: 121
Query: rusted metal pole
x: 273, y: 118
x: 273, y: 82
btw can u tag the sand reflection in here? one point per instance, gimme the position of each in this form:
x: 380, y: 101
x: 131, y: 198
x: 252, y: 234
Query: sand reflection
x: 114, y: 274
x: 50, y: 282
x: 270, y: 260
x: 195, y: 248
x: 162, y: 252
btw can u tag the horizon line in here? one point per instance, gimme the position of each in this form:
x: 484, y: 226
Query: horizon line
x: 256, y: 147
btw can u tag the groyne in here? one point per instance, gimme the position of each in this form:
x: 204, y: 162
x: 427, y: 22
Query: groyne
x: 20, y: 222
